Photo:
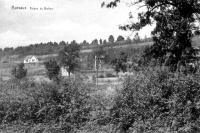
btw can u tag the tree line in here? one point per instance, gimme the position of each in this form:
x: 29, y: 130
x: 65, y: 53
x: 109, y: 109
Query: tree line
x: 55, y: 47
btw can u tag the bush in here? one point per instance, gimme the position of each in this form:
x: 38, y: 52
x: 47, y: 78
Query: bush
x: 110, y: 75
x: 65, y: 105
x: 158, y: 100
x: 19, y: 71
x: 53, y: 69
x: 101, y: 76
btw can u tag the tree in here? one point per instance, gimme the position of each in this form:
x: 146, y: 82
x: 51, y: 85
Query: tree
x: 69, y: 57
x: 104, y: 42
x: 53, y: 69
x: 62, y: 44
x: 111, y: 39
x: 136, y: 38
x: 119, y: 63
x: 175, y: 21
x: 120, y: 38
x: 85, y: 42
x: 95, y: 42
x: 100, y: 41
x: 8, y: 49
x: 19, y: 72
x: 128, y: 40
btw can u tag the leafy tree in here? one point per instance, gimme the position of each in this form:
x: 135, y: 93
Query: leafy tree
x: 62, y: 44
x: 85, y: 42
x: 53, y: 69
x: 111, y: 39
x: 19, y: 72
x: 69, y: 57
x: 175, y: 21
x: 95, y: 42
x: 136, y: 38
x: 100, y: 41
x: 119, y: 63
x: 104, y: 41
x: 120, y: 38
x: 8, y: 49
x: 128, y: 40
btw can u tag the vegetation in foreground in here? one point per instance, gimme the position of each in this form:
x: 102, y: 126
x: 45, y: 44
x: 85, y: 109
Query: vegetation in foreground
x: 153, y: 100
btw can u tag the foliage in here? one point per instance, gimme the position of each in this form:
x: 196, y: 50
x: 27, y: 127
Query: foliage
x: 136, y: 38
x: 120, y: 38
x: 94, y: 42
x: 110, y: 75
x: 100, y: 41
x: 104, y: 42
x: 55, y: 47
x: 175, y: 22
x: 119, y: 63
x: 99, y: 54
x: 111, y: 39
x: 157, y: 100
x: 53, y: 69
x: 65, y: 106
x: 128, y: 40
x: 19, y: 71
x: 69, y: 57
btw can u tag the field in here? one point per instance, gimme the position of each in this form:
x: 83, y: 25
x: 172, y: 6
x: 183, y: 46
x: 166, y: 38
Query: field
x: 8, y: 62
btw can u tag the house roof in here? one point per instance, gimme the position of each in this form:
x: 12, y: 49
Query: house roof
x: 29, y: 57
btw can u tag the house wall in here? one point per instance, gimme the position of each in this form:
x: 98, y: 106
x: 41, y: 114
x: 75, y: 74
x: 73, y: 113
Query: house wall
x: 31, y: 60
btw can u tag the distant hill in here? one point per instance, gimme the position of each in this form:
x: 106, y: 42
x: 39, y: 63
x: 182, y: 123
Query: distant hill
x: 54, y: 47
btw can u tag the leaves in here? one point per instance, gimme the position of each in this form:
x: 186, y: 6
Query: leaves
x: 69, y: 57
x: 175, y: 21
x: 53, y: 69
x: 159, y: 100
x: 19, y: 72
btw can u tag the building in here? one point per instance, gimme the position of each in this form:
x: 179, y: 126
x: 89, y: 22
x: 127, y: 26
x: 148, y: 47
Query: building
x: 31, y: 59
x: 65, y: 73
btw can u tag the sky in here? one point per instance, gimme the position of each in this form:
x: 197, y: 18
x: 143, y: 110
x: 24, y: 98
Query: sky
x: 66, y: 21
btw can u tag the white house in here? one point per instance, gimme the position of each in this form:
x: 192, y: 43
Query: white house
x: 31, y: 59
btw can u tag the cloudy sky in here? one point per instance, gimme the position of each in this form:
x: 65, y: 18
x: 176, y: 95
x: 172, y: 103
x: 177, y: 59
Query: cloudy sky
x: 69, y: 20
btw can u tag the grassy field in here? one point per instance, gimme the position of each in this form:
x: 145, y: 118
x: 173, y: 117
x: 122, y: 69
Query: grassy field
x: 8, y: 62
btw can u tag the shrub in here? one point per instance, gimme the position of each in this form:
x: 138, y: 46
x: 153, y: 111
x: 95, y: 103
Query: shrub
x: 65, y: 105
x: 53, y: 69
x: 155, y: 100
x: 110, y: 75
x: 19, y: 71
x: 101, y: 76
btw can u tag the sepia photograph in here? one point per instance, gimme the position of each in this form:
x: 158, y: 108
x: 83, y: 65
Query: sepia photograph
x: 99, y: 66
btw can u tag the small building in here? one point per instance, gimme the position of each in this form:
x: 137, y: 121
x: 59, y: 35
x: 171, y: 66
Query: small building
x: 31, y: 59
x: 64, y: 72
